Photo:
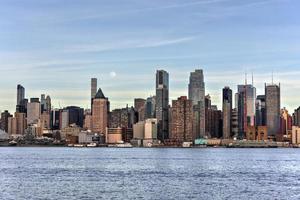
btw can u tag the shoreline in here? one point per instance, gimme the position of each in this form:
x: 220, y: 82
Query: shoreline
x: 159, y: 147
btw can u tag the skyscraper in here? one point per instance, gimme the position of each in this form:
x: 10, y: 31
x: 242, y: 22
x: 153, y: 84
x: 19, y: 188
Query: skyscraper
x: 93, y: 90
x: 272, y: 92
x: 33, y: 111
x: 227, y: 112
x: 296, y: 117
x: 93, y: 87
x: 246, y: 107
x: 162, y: 104
x: 150, y: 107
x: 197, y: 95
x: 43, y: 103
x: 260, y: 117
x: 20, y: 94
x: 122, y: 118
x: 4, y: 120
x: 21, y: 101
x: 100, y: 113
x: 182, y: 120
x: 139, y: 107
x: 75, y: 115
x: 48, y: 104
x: 213, y: 119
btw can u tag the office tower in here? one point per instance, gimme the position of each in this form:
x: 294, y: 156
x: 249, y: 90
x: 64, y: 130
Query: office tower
x: 182, y: 120
x: 227, y: 112
x: 139, y: 107
x: 197, y: 95
x: 55, y: 119
x: 45, y: 121
x: 20, y: 94
x: 4, y: 120
x: 162, y: 104
x: 246, y: 108
x: 234, y: 123
x: 260, y: 116
x: 43, y: 103
x: 75, y: 115
x: 272, y: 92
x: 286, y: 122
x: 100, y: 110
x: 150, y: 107
x: 213, y: 119
x: 139, y: 103
x: 63, y: 119
x: 296, y: 117
x: 122, y: 118
x: 21, y: 101
x: 48, y: 104
x: 33, y: 111
x: 145, y: 130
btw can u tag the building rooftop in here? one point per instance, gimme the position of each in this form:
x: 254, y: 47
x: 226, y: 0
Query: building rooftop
x: 99, y: 94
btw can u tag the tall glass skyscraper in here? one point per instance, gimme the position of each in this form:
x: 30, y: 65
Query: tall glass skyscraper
x: 162, y: 104
x: 246, y: 107
x: 20, y: 94
x: 21, y: 101
x: 227, y: 112
x: 197, y: 95
x: 272, y: 93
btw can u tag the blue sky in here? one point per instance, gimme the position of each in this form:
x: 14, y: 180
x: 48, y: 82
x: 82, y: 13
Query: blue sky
x: 56, y: 46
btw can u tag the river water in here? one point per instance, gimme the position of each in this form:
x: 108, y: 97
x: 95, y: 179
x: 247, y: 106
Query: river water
x: 141, y: 173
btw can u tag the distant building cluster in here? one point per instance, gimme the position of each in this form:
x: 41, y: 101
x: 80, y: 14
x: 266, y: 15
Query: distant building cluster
x: 157, y: 120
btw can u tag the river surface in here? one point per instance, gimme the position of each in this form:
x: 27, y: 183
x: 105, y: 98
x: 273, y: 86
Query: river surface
x: 140, y: 173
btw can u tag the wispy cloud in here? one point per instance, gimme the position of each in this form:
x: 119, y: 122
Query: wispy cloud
x: 128, y: 44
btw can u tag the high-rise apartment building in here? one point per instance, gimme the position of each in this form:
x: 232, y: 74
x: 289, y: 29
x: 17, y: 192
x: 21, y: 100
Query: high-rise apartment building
x: 93, y: 87
x: 122, y: 118
x: 197, y: 95
x: 93, y: 90
x: 182, y: 120
x: 162, y: 104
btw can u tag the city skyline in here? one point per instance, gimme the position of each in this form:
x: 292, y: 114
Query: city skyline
x: 218, y: 102
x: 53, y: 50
